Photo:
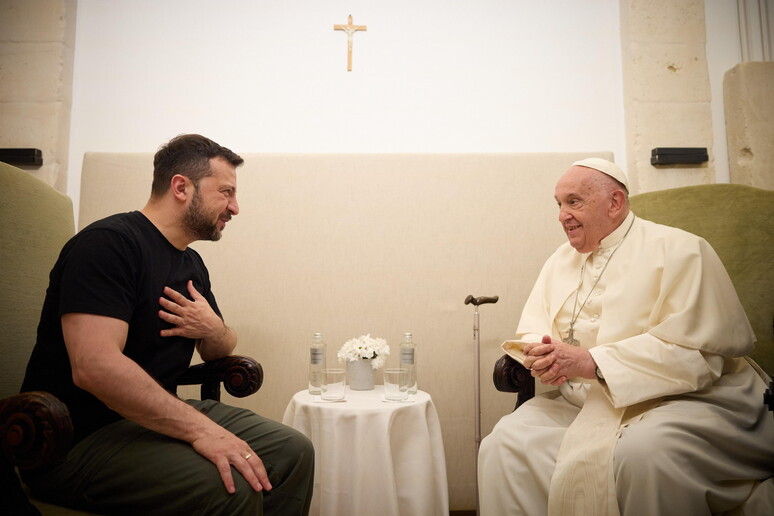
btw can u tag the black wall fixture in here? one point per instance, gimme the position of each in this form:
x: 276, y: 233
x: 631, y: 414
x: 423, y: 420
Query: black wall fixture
x: 678, y: 155
x: 22, y: 157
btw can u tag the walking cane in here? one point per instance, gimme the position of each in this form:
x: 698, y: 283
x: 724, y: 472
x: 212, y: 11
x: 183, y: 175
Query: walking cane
x: 476, y: 372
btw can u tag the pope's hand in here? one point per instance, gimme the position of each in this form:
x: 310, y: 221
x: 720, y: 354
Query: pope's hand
x: 553, y: 362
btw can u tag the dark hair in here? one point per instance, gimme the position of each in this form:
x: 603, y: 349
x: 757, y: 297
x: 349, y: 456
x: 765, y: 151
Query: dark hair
x: 188, y: 155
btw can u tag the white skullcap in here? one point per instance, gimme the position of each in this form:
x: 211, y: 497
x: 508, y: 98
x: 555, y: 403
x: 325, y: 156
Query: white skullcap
x: 606, y: 167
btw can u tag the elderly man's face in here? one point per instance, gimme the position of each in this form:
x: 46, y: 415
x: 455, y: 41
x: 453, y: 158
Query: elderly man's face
x: 584, y: 208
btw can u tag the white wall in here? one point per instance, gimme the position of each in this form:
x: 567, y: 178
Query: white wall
x: 723, y: 53
x: 269, y: 76
x: 731, y: 41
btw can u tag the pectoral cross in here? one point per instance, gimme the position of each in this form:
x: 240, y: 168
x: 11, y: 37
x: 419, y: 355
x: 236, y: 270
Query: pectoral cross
x: 570, y: 339
x: 350, y: 30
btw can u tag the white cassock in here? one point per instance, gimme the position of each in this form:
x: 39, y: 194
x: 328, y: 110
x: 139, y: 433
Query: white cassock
x: 678, y: 426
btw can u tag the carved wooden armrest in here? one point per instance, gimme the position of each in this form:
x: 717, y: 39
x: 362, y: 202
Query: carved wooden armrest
x: 511, y: 376
x: 768, y: 396
x: 35, y: 428
x: 241, y: 377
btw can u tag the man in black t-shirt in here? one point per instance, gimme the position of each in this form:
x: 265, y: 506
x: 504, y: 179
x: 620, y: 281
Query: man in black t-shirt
x: 128, y: 301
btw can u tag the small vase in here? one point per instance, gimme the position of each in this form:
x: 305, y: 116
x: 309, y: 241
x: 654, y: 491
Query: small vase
x: 360, y: 375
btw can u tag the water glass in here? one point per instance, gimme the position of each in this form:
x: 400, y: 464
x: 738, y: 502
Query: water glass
x: 395, y: 384
x: 334, y: 383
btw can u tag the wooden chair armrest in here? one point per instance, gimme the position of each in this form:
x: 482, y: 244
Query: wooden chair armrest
x: 768, y: 396
x: 511, y: 376
x: 35, y: 428
x: 241, y: 376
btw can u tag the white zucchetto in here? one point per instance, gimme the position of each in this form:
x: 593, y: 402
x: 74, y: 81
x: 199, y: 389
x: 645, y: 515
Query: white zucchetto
x: 606, y: 167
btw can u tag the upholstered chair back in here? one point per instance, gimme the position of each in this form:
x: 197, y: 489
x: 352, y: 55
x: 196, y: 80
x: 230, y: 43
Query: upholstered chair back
x: 738, y: 221
x: 36, y: 222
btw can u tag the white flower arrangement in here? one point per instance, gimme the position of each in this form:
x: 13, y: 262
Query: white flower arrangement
x: 365, y: 346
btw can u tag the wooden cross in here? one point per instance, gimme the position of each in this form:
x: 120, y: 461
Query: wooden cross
x: 350, y: 30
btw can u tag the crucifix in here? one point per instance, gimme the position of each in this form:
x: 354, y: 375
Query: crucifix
x: 350, y: 30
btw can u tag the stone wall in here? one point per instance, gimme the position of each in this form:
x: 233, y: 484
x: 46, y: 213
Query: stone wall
x: 748, y: 91
x: 666, y: 90
x: 665, y: 78
x: 37, y: 40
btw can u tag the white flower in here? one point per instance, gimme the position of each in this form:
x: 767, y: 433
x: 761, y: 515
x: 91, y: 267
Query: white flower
x: 365, y: 346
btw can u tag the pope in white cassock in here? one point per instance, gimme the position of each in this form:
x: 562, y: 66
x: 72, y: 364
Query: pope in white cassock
x: 657, y: 411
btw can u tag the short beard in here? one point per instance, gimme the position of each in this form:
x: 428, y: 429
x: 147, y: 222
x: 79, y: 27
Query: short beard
x: 197, y: 223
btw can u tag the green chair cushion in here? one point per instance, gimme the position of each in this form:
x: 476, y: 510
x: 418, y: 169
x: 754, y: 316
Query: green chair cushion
x: 738, y: 221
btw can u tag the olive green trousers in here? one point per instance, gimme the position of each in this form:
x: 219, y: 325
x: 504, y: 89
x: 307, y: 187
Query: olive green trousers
x: 124, y: 468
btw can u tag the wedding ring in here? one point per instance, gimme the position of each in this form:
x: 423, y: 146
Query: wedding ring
x: 248, y: 456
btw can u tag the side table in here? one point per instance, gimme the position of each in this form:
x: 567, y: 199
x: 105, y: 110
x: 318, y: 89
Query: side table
x: 373, y: 456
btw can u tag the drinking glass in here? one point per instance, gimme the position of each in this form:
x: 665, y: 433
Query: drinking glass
x: 334, y: 383
x: 395, y: 384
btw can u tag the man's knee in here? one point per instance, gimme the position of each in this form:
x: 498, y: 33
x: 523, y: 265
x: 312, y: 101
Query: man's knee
x: 300, y: 445
x: 494, y: 442
x: 644, y: 449
x: 295, y: 461
x: 489, y: 442
x: 216, y: 500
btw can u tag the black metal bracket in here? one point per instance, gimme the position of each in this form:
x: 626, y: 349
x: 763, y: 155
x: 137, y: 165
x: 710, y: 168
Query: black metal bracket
x: 678, y: 155
x: 30, y: 157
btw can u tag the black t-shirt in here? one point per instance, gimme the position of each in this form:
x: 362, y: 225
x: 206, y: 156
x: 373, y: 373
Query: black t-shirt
x: 116, y: 267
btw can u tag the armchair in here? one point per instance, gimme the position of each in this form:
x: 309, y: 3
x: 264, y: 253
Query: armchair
x: 738, y: 221
x: 35, y: 427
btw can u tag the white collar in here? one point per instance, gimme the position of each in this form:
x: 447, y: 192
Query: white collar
x: 617, y: 235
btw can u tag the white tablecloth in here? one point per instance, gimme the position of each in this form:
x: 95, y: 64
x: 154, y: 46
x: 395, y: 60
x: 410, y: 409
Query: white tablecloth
x: 373, y: 457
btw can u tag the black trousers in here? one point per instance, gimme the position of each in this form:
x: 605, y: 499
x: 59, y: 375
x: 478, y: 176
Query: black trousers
x: 124, y: 468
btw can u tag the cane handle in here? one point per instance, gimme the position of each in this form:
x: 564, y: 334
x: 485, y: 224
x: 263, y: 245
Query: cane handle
x: 481, y: 300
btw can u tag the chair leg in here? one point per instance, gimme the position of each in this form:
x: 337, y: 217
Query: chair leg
x: 210, y: 390
x: 13, y: 497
